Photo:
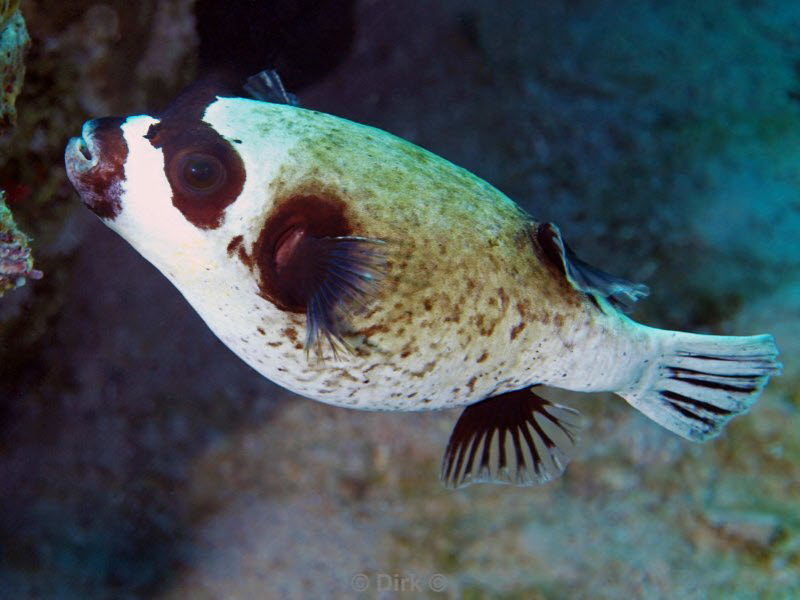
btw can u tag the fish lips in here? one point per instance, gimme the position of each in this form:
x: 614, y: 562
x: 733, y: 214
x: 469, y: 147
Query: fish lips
x: 95, y: 164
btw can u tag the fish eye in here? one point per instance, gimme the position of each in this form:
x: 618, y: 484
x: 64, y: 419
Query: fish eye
x: 200, y: 173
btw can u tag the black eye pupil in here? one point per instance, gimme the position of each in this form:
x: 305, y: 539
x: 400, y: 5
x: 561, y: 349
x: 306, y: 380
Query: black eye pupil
x: 202, y: 173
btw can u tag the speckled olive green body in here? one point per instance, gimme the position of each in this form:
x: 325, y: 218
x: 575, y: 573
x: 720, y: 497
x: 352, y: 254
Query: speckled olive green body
x: 466, y: 310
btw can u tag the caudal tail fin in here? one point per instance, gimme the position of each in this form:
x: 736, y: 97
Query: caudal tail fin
x: 699, y: 382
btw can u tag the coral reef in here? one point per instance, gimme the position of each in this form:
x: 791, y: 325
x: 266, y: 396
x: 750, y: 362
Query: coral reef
x: 86, y: 59
x: 7, y: 10
x: 14, y: 42
x: 16, y: 263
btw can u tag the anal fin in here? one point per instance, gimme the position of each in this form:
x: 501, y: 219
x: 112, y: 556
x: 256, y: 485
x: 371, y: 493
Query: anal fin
x: 517, y: 438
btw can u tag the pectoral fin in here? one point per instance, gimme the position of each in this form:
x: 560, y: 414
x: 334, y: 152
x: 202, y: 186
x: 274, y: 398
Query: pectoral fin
x: 516, y: 437
x: 348, y: 271
x: 331, y: 277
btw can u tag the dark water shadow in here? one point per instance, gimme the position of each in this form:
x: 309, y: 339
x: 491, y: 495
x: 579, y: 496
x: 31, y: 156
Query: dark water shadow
x: 100, y: 427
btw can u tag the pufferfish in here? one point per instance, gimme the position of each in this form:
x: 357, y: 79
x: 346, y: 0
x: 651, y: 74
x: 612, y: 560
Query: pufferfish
x: 357, y: 269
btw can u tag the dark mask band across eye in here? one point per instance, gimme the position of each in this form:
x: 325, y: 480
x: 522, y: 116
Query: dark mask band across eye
x: 204, y: 170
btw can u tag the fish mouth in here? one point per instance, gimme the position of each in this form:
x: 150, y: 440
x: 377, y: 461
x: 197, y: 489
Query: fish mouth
x: 79, y: 157
x: 82, y: 148
x: 95, y: 164
x: 84, y: 153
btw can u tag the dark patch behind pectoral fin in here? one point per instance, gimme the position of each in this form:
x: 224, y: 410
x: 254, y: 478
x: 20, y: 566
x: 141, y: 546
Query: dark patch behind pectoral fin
x: 621, y: 293
x: 268, y: 87
x: 516, y: 437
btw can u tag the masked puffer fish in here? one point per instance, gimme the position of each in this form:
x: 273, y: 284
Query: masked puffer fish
x: 357, y: 269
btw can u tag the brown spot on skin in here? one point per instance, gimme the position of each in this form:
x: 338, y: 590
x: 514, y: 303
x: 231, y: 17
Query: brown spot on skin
x: 100, y: 186
x: 501, y: 293
x: 405, y: 354
x: 428, y: 304
x: 191, y: 146
x: 261, y: 331
x: 234, y: 244
x: 453, y: 317
x: 274, y: 344
x: 245, y: 258
x: 471, y: 384
x: 482, y: 357
x: 522, y: 309
x: 483, y: 328
x: 371, y: 312
x: 515, y: 331
x: 291, y: 333
x: 373, y: 329
x: 346, y: 375
x: 427, y: 368
x: 559, y: 321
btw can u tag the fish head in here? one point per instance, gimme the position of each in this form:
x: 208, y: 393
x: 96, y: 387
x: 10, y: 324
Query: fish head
x: 206, y: 192
x: 167, y: 184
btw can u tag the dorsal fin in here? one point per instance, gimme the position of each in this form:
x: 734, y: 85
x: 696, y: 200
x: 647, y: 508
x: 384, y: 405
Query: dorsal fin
x: 621, y: 293
x: 268, y: 87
